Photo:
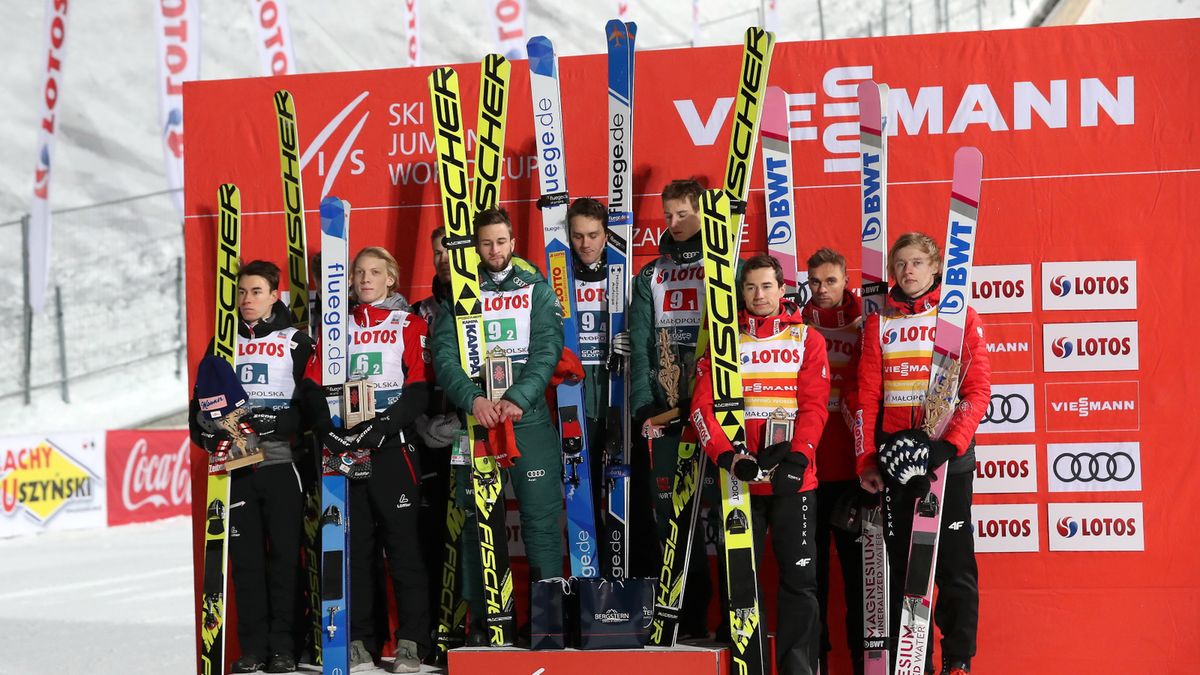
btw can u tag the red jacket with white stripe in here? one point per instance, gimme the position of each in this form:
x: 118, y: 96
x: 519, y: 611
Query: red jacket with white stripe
x: 784, y: 366
x: 893, y: 374
x: 841, y: 326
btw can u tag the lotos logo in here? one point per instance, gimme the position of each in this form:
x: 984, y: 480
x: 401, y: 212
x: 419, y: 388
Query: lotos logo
x: 1067, y: 527
x: 156, y: 479
x: 1096, y: 526
x: 773, y: 356
x: 1001, y: 289
x: 1108, y: 345
x: 41, y: 177
x: 1100, y: 284
x: 890, y: 337
x: 1062, y: 348
x: 1005, y: 528
x: 1005, y: 469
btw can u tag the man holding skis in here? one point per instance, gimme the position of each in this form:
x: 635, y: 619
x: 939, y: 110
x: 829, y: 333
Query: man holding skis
x: 522, y: 318
x: 664, y: 323
x: 836, y: 314
x: 785, y: 385
x: 267, y: 503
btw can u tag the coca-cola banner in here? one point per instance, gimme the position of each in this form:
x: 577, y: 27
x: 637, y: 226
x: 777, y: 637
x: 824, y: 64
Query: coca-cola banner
x: 149, y: 475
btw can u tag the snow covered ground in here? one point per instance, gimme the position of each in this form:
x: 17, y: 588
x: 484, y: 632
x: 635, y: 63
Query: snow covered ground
x: 1106, y: 11
x: 116, y: 601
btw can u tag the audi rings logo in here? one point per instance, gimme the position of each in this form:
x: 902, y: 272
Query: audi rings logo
x: 535, y: 473
x: 1011, y: 408
x: 1087, y: 467
x: 1094, y: 467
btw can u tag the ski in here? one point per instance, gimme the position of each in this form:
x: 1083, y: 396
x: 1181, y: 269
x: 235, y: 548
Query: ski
x: 720, y: 242
x: 941, y: 398
x: 872, y: 125
x: 777, y: 188
x: 298, y: 306
x: 293, y: 205
x: 457, y: 211
x: 689, y: 469
x: 335, y: 514
x: 621, y: 38
x: 572, y: 415
x: 216, y: 532
x: 452, y: 608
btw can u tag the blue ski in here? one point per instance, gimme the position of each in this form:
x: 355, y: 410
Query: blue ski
x: 572, y: 416
x: 335, y: 514
x: 621, y: 37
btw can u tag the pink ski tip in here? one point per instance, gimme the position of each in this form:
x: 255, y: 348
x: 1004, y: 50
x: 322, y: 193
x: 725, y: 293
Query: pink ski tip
x: 868, y: 102
x: 775, y: 113
x: 968, y: 172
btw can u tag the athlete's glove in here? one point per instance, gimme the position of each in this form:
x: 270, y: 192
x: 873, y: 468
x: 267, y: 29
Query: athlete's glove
x: 370, y: 433
x: 338, y: 441
x: 745, y: 468
x: 940, y: 452
x: 618, y: 350
x: 770, y: 456
x: 266, y: 422
x: 788, y: 476
x: 215, y: 440
x: 905, y: 455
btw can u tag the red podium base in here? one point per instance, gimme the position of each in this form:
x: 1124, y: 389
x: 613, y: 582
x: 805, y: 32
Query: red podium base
x: 677, y: 660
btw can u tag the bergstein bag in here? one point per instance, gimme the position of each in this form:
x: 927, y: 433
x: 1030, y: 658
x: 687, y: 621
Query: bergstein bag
x: 552, y: 603
x: 615, y: 614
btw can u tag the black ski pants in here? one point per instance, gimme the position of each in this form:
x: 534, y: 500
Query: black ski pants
x: 956, y: 575
x: 849, y: 553
x: 265, y: 522
x: 386, y: 508
x: 435, y: 493
x: 791, y: 519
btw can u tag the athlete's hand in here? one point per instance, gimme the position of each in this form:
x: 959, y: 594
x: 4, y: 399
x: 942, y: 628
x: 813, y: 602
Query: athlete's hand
x: 509, y: 410
x: 485, y: 411
x: 871, y: 480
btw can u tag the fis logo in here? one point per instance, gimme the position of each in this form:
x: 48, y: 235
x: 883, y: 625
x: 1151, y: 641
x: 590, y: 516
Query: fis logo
x: 347, y: 151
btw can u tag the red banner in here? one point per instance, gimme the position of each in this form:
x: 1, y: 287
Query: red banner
x: 1090, y: 143
x: 149, y: 477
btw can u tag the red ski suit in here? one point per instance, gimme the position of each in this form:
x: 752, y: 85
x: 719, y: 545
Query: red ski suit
x: 841, y: 326
x: 784, y: 365
x: 893, y: 373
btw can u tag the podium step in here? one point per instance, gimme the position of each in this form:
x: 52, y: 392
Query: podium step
x: 681, y: 659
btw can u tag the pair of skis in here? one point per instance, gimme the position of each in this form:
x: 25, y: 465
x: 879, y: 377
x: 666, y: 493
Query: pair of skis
x: 722, y: 213
x: 555, y: 198
x: 621, y: 38
x: 941, y: 395
x: 458, y: 209
x: 216, y: 532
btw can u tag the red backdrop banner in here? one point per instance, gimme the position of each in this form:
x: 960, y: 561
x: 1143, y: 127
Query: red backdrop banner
x: 1090, y: 139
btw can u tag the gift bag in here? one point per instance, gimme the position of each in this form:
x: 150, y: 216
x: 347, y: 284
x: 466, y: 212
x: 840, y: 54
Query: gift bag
x: 615, y: 614
x: 551, y: 604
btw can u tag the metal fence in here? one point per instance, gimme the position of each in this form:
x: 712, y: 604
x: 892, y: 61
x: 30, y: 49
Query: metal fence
x: 115, y: 296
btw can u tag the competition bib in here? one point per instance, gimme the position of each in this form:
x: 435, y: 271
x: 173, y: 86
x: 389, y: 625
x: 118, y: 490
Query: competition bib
x: 907, y: 346
x: 591, y: 310
x: 769, y: 371
x: 377, y: 354
x: 264, y: 367
x: 506, y: 320
x: 678, y: 292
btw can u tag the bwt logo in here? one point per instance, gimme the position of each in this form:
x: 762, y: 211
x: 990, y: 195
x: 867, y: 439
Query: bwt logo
x: 1104, y: 346
x: 1062, y: 286
x: 923, y: 110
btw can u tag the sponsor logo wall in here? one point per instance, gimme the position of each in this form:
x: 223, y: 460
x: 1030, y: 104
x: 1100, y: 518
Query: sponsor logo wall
x: 86, y: 480
x: 1081, y: 280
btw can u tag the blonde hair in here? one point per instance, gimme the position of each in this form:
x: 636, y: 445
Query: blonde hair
x: 389, y: 262
x: 921, y: 241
